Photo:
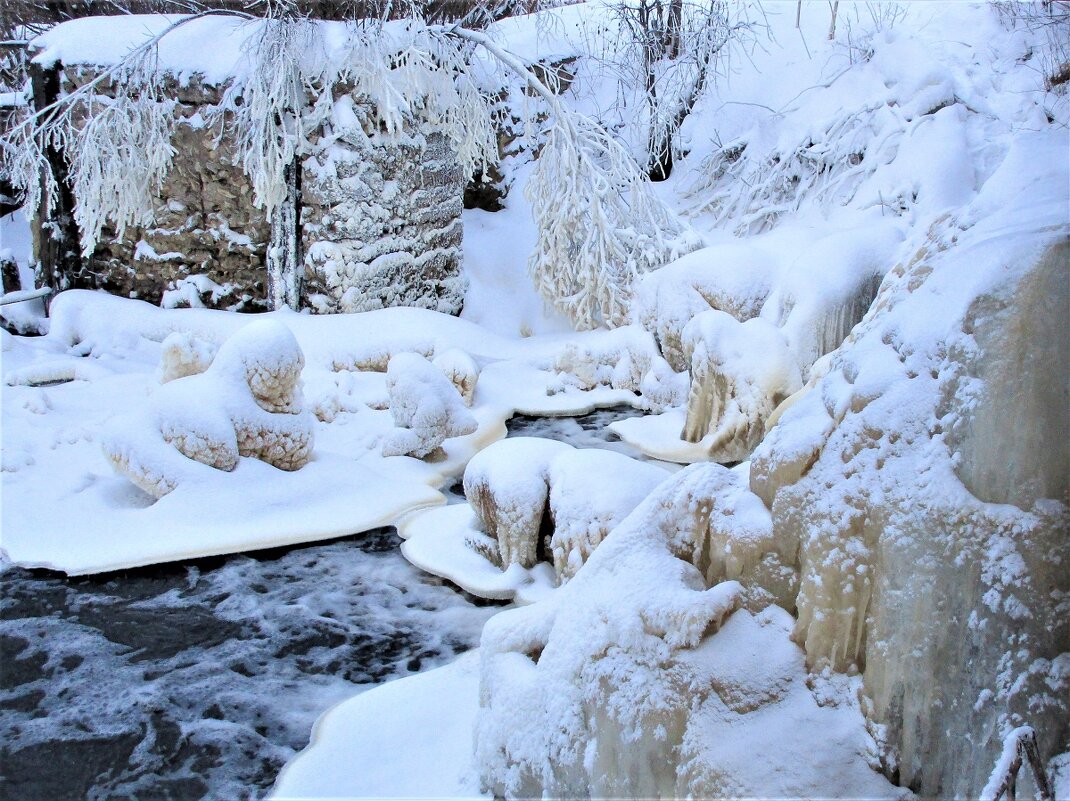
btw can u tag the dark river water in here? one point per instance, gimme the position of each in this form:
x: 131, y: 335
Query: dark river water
x: 201, y: 679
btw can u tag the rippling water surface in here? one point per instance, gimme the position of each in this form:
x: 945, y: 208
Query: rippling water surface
x: 195, y: 680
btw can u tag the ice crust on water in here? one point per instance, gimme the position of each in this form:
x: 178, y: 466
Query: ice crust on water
x: 247, y: 403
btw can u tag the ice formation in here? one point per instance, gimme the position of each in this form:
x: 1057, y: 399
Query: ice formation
x: 247, y: 403
x: 735, y: 279
x: 426, y: 407
x: 827, y: 289
x: 508, y: 486
x: 543, y: 500
x: 591, y: 492
x: 930, y: 532
x: 740, y: 373
x: 630, y: 690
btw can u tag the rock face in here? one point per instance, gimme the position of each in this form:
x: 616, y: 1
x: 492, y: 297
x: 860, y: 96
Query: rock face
x: 909, y: 508
x: 924, y: 485
x: 380, y: 223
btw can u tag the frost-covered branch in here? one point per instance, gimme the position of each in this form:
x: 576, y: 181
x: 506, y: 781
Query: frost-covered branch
x: 600, y: 224
x: 115, y: 133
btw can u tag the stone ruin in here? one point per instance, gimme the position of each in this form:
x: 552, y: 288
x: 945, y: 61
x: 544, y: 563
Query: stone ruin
x: 379, y: 225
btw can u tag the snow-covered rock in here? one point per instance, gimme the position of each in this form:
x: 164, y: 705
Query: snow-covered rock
x: 461, y: 370
x: 732, y: 278
x: 183, y: 354
x: 637, y: 681
x: 508, y: 486
x: 247, y: 403
x: 740, y: 373
x: 544, y: 500
x: 426, y: 407
x: 924, y: 482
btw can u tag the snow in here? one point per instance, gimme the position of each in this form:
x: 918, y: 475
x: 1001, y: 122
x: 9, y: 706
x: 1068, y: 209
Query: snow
x: 426, y: 406
x: 65, y: 508
x: 406, y: 739
x: 876, y: 324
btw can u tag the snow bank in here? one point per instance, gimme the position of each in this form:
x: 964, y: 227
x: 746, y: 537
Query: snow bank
x: 64, y: 507
x: 409, y: 738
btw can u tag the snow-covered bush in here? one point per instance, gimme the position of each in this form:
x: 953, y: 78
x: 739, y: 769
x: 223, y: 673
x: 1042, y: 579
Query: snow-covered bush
x: 426, y: 407
x: 247, y: 403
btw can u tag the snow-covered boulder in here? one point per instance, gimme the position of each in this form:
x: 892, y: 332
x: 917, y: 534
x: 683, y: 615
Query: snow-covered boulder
x: 541, y: 499
x: 508, y: 485
x: 183, y: 354
x: 735, y: 279
x: 426, y: 407
x: 591, y: 492
x: 637, y: 680
x: 740, y: 373
x: 461, y: 370
x: 247, y: 403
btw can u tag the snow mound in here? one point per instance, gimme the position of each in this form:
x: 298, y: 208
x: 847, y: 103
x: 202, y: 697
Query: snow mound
x: 508, y: 486
x: 734, y: 278
x: 247, y: 403
x: 539, y: 499
x: 426, y: 407
x: 461, y: 370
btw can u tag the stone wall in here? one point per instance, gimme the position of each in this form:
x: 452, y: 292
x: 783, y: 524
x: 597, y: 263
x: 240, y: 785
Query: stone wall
x: 380, y: 218
x: 381, y: 223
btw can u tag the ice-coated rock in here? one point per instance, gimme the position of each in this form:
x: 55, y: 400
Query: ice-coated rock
x: 247, y: 403
x: 426, y: 407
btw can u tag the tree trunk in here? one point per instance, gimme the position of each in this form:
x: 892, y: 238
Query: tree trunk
x: 58, y: 262
x: 285, y: 259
